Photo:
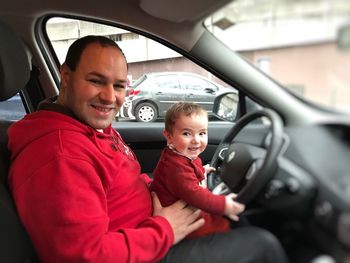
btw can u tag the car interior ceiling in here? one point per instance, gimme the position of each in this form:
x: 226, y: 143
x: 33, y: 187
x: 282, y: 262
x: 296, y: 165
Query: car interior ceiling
x: 14, y: 75
x: 18, y: 75
x: 179, y: 11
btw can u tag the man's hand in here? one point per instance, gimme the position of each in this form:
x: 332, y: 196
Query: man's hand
x: 183, y: 219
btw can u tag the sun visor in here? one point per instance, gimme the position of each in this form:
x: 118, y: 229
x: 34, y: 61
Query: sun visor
x: 181, y: 10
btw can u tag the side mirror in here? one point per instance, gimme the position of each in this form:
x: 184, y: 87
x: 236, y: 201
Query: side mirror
x: 225, y: 106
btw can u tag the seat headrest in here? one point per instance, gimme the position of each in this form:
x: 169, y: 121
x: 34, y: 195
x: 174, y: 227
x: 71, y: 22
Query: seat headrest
x: 14, y: 63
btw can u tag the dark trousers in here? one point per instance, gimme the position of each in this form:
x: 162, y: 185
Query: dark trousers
x: 241, y: 245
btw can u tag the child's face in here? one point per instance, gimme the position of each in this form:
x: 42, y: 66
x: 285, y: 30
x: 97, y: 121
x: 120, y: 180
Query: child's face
x: 189, y: 135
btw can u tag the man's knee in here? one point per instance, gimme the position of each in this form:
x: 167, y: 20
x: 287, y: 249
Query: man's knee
x: 269, y: 245
x: 264, y: 236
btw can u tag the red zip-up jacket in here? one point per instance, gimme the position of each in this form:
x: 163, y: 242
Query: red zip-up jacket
x: 80, y: 194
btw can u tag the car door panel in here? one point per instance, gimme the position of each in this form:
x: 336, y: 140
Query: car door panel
x: 147, y: 140
x: 168, y: 91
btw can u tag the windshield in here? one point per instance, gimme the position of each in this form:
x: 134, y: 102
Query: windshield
x: 295, y: 42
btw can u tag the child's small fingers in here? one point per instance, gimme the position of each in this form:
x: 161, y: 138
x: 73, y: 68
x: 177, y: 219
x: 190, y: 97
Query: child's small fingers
x: 234, y: 218
x: 232, y: 195
x: 239, y: 208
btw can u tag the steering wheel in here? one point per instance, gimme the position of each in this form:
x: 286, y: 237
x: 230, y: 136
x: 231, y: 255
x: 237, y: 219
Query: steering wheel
x: 244, y: 168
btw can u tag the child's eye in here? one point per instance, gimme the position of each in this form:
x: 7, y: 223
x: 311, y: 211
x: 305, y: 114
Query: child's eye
x: 203, y: 133
x: 186, y: 134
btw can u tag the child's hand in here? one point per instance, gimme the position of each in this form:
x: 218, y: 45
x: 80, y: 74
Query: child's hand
x: 208, y: 169
x: 233, y: 208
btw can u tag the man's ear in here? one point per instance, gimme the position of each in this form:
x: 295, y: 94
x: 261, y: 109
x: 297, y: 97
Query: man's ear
x: 65, y: 73
x: 64, y: 83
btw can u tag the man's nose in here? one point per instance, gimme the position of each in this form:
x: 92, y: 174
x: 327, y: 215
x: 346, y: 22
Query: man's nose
x: 107, y: 94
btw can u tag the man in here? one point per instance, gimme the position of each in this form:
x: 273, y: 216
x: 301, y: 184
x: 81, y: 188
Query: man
x: 84, y: 199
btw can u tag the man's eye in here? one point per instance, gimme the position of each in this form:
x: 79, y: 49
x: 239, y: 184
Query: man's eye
x: 119, y: 86
x: 96, y: 81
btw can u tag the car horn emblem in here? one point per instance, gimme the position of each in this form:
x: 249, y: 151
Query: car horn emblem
x: 231, y: 156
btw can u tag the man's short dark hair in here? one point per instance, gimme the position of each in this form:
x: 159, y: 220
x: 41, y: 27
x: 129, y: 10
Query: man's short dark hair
x: 78, y: 46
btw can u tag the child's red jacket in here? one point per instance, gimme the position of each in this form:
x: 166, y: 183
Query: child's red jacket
x: 177, y: 177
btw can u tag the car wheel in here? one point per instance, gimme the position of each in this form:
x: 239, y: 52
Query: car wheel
x: 146, y: 112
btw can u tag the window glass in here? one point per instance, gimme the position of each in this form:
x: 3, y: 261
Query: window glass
x: 297, y: 43
x: 167, y: 82
x: 193, y: 83
x: 12, y: 109
x: 153, y: 70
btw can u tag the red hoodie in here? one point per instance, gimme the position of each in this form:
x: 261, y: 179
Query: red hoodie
x: 80, y: 194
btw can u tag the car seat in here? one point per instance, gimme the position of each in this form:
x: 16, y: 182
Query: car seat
x: 15, y: 66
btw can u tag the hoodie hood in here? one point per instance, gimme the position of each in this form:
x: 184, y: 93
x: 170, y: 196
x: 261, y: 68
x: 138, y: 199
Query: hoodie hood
x: 39, y: 124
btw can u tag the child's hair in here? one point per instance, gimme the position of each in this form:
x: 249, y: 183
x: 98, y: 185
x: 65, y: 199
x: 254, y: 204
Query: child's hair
x: 181, y: 108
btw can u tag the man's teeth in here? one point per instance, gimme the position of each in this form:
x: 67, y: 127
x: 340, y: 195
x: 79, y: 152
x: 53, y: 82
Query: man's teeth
x: 103, y: 109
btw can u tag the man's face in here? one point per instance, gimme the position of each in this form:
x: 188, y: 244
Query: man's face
x: 95, y: 91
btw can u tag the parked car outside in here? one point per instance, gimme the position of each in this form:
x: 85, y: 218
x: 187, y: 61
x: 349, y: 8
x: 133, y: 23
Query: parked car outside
x: 153, y: 93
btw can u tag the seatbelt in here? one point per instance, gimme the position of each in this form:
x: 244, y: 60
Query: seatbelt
x: 32, y: 90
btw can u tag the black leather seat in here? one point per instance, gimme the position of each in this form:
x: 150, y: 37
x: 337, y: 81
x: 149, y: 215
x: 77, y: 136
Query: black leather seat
x: 15, y: 245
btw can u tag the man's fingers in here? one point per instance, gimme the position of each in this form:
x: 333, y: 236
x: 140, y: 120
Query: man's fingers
x: 195, y: 222
x: 194, y: 214
x: 195, y: 225
x: 156, y: 203
x: 179, y: 204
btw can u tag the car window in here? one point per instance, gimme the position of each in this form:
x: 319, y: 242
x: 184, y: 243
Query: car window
x: 149, y: 95
x: 167, y: 82
x: 193, y: 83
x: 12, y: 109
